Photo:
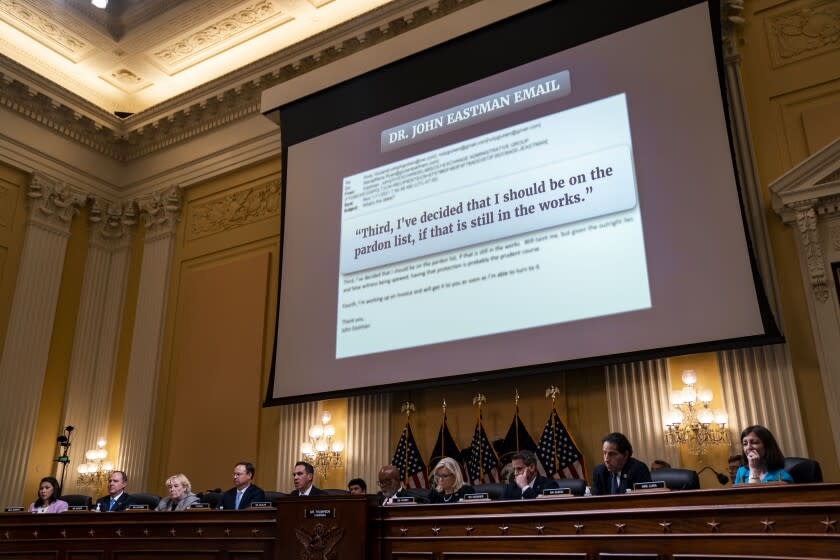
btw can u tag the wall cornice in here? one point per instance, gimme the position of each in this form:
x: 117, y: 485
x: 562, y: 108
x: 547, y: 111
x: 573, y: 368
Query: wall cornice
x: 229, y: 99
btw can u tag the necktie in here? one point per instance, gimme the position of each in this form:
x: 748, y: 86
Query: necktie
x: 238, y: 499
x: 111, y: 505
x: 615, y: 483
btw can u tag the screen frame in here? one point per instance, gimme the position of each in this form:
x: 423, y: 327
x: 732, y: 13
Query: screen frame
x: 352, y: 101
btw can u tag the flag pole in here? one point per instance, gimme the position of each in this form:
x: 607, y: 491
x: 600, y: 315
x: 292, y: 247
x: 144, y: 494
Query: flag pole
x: 478, y: 400
x: 407, y: 408
x: 553, y: 391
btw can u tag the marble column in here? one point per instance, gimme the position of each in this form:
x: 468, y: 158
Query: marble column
x: 87, y: 400
x: 159, y: 213
x: 51, y: 207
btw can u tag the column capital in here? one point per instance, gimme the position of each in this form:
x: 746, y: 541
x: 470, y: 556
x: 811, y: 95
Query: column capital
x: 52, y: 204
x: 112, y: 223
x: 160, y: 212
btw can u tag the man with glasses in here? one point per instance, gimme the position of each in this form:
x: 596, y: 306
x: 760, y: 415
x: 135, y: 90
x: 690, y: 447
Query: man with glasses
x: 243, y: 492
x: 527, y: 484
x: 390, y: 485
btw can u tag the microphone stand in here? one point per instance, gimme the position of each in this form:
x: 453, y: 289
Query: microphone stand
x: 722, y: 478
x: 63, y: 459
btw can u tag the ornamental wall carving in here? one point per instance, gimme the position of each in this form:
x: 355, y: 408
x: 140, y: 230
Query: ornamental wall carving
x: 233, y: 209
x: 810, y: 30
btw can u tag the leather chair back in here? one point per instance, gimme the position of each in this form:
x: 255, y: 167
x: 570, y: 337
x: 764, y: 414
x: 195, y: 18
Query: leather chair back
x: 803, y: 470
x: 677, y: 479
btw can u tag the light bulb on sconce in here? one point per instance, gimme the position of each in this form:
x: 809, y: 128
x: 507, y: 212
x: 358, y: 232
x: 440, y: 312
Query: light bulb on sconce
x: 686, y: 424
x: 321, y: 451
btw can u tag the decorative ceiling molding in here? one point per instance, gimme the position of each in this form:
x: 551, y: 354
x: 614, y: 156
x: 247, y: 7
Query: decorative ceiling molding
x: 125, y: 80
x: 224, y: 33
x: 39, y: 26
x: 233, y: 97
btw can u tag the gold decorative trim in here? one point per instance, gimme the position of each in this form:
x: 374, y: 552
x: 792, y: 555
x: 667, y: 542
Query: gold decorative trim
x: 225, y: 33
x: 805, y: 32
x: 233, y: 210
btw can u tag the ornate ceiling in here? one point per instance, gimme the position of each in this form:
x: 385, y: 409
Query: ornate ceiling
x: 137, y: 54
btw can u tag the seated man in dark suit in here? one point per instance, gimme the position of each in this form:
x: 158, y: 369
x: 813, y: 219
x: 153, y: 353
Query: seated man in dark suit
x: 243, y: 492
x: 620, y: 470
x: 303, y: 475
x: 527, y: 484
x: 390, y: 485
x: 117, y: 499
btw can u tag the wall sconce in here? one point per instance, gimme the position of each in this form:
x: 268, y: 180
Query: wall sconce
x: 96, y: 471
x: 321, y: 451
x: 688, y: 424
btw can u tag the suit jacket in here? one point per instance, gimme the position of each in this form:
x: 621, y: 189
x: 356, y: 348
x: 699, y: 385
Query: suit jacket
x: 123, y: 502
x: 314, y: 491
x: 252, y: 494
x: 634, y: 471
x: 182, y: 505
x: 513, y: 492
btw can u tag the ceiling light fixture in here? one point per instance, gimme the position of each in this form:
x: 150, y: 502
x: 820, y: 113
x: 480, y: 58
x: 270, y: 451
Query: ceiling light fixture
x: 101, y: 4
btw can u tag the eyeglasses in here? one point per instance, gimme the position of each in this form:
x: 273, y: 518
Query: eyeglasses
x: 446, y: 475
x: 239, y: 474
x: 388, y: 482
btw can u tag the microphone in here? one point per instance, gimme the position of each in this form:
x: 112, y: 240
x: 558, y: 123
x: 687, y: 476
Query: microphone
x: 722, y: 478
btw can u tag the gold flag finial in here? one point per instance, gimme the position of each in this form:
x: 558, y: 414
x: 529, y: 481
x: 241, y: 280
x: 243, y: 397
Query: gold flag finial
x: 516, y: 397
x: 479, y: 400
x: 444, y: 405
x: 407, y: 407
x: 552, y: 392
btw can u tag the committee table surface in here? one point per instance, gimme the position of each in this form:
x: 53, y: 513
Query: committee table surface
x: 757, y: 523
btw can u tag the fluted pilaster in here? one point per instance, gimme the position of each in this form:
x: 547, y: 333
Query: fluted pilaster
x: 89, y: 385
x: 368, y: 436
x: 51, y: 207
x: 295, y: 421
x: 160, y: 217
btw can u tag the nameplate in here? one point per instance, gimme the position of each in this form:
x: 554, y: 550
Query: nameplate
x: 137, y: 507
x: 319, y: 513
x: 78, y: 508
x: 658, y: 485
x: 403, y: 500
x: 15, y: 509
x: 260, y: 505
x: 477, y: 497
x: 556, y: 493
x: 200, y: 505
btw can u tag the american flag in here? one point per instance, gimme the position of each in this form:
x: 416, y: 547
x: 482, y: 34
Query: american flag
x: 409, y: 462
x: 557, y: 450
x: 483, y: 464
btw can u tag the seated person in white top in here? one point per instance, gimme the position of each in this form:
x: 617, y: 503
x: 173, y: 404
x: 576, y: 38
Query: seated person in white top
x: 243, y: 492
x: 48, y: 494
x: 180, y: 496
x: 303, y: 475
